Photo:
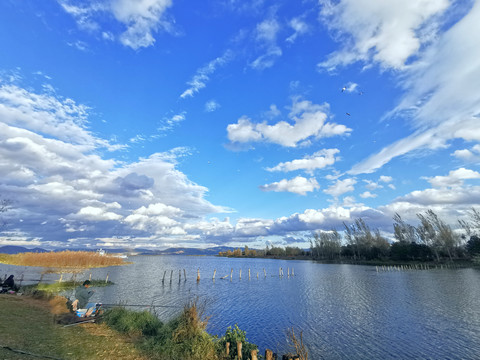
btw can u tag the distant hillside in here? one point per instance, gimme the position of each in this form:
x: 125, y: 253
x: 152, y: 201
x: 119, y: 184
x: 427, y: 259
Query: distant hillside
x: 10, y: 249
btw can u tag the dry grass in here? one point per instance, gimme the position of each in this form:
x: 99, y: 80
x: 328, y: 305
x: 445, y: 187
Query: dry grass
x: 63, y: 259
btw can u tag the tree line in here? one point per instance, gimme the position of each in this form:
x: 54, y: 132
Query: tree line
x: 431, y: 240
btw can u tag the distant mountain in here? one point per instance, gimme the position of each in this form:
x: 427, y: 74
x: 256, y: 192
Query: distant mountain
x: 10, y: 249
x: 184, y: 251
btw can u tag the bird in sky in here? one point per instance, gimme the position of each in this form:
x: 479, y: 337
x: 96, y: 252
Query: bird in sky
x: 348, y: 114
x: 344, y: 88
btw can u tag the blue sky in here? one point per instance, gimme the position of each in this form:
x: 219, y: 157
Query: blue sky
x: 158, y: 123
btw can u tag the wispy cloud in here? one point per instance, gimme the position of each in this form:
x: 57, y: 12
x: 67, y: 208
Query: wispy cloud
x: 211, y: 106
x: 141, y: 18
x: 200, y: 79
x: 387, y: 33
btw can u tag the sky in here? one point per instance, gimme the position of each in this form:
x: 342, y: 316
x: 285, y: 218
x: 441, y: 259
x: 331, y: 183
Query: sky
x: 174, y: 123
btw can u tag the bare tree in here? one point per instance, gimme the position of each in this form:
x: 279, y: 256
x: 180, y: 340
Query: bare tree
x: 437, y: 234
x: 403, y: 232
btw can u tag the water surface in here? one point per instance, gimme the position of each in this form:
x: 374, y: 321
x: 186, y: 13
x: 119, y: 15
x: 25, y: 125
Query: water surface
x: 344, y: 311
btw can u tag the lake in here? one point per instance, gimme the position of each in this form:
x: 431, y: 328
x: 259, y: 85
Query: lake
x: 344, y: 311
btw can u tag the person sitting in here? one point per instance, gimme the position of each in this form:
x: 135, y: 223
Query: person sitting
x: 82, y: 295
x: 9, y: 284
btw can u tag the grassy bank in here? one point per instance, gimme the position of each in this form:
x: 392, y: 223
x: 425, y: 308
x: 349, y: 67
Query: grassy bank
x: 27, y: 325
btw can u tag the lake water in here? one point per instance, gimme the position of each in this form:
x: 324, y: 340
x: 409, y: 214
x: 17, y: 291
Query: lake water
x: 344, y: 311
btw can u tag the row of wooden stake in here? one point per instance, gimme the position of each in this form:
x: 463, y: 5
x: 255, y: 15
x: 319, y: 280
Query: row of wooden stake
x: 414, y: 267
x: 280, y: 274
x: 269, y: 354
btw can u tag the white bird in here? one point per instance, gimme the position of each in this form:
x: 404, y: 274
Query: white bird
x: 344, y: 88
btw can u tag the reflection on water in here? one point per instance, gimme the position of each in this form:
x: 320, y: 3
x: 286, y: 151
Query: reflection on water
x: 344, y: 311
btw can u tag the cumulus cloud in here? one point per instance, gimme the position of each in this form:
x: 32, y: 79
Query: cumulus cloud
x: 200, y: 79
x: 341, y: 187
x: 318, y: 160
x: 472, y: 155
x: 454, y: 178
x: 367, y: 194
x: 62, y: 185
x: 309, y: 121
x: 298, y: 185
x: 141, y: 18
x: 388, y: 33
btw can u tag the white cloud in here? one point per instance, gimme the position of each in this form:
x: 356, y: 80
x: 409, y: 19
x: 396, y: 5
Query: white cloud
x: 472, y: 155
x: 440, y: 98
x: 318, y: 160
x: 298, y: 185
x: 388, y: 33
x: 341, y: 187
x: 61, y: 185
x: 90, y: 213
x: 211, y: 105
x: 308, y: 121
x: 299, y: 27
x: 367, y: 194
x: 200, y: 79
x: 266, y: 38
x: 385, y: 179
x: 371, y: 185
x: 142, y: 18
x: 454, y: 178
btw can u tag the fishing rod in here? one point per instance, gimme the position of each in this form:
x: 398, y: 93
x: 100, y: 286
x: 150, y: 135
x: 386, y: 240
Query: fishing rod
x: 142, y: 305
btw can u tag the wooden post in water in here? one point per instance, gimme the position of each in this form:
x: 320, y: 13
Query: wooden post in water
x: 264, y: 272
x: 106, y: 279
x: 288, y: 271
x: 179, y: 275
x: 198, y: 274
x: 231, y: 274
x: 239, y: 350
x: 253, y: 355
x: 171, y: 275
x: 268, y: 354
x: 184, y: 275
x: 214, y: 272
x: 240, y: 274
x: 227, y: 350
x: 163, y: 280
x: 257, y: 275
x: 293, y: 272
x: 248, y: 273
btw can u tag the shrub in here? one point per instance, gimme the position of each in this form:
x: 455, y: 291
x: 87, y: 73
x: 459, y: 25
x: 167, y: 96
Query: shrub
x: 233, y: 336
x: 133, y: 323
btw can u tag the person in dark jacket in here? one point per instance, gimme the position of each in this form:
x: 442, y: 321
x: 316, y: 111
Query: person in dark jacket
x: 9, y: 284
